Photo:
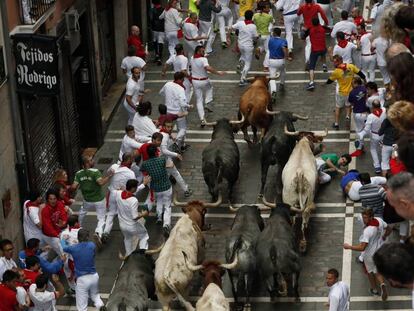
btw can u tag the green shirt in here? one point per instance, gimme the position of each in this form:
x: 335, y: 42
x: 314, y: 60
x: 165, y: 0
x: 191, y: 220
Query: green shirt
x: 262, y: 21
x: 91, y: 190
x: 192, y: 6
x: 155, y: 167
x: 331, y: 156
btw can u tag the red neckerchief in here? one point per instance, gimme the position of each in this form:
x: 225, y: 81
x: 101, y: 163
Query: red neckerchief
x: 74, y: 227
x: 358, y: 20
x: 362, y: 33
x: 189, y: 21
x: 29, y: 252
x: 164, y: 130
x: 377, y: 112
x: 248, y: 22
x: 373, y: 222
x: 31, y: 203
x: 125, y: 165
x: 342, y: 43
x: 126, y: 195
x: 342, y: 66
x: 180, y: 84
x: 197, y: 55
x: 157, y: 6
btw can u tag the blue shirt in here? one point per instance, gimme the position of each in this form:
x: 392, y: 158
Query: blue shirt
x: 276, y: 45
x: 47, y: 266
x: 83, y: 255
x: 357, y: 98
x: 352, y: 175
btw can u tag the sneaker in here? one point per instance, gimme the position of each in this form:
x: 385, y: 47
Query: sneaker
x: 209, y: 107
x: 223, y: 45
x: 105, y: 237
x: 377, y: 170
x: 384, y: 292
x: 311, y: 86
x: 70, y: 292
x: 373, y: 292
x: 357, y: 143
x: 274, y: 97
x: 203, y: 123
x: 97, y: 240
x: 243, y: 83
x: 335, y: 126
x: 358, y: 260
x: 290, y: 56
x: 166, y: 231
x: 209, y: 53
x: 281, y: 87
x: 188, y: 193
x: 324, y: 68
x: 238, y: 68
x: 159, y: 221
x: 184, y: 148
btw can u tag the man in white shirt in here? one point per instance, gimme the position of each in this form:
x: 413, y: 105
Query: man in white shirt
x: 289, y: 9
x: 130, y: 219
x: 225, y: 20
x: 380, y: 46
x: 172, y: 23
x: 43, y: 299
x: 338, y: 292
x: 133, y: 93
x: 367, y: 55
x: 373, y: 236
x: 32, y: 226
x: 129, y: 143
x: 344, y: 48
x: 6, y: 261
x: 345, y: 25
x: 177, y: 103
x: 247, y: 35
x: 132, y: 61
x: 203, y: 88
x: 143, y: 125
x: 191, y: 36
x: 375, y: 93
x: 180, y: 64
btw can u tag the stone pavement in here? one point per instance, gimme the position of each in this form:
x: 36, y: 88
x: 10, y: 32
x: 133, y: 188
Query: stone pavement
x: 332, y: 224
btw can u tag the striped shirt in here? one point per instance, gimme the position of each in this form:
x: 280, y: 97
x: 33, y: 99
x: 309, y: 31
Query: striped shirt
x: 372, y: 196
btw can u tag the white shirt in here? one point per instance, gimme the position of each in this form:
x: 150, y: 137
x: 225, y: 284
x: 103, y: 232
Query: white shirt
x: 128, y: 145
x: 130, y: 62
x: 175, y: 98
x: 144, y: 128
x: 133, y: 89
x: 287, y: 6
x: 190, y: 31
x: 121, y: 175
x: 127, y: 208
x: 380, y: 96
x: 373, y: 237
x: 246, y: 33
x: 198, y: 67
x: 179, y: 62
x: 165, y: 144
x: 373, y: 123
x: 346, y: 27
x: 43, y: 301
x: 30, y: 220
x: 339, y: 297
x: 366, y: 44
x: 172, y: 20
x: 70, y: 235
x: 345, y: 52
x: 381, y: 45
x: 6, y: 264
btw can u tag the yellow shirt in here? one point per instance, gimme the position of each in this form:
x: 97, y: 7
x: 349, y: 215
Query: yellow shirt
x: 192, y: 6
x: 245, y: 5
x: 344, y: 78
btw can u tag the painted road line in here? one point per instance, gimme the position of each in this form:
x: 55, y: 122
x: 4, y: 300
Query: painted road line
x: 237, y: 81
x: 240, y: 141
x: 209, y: 132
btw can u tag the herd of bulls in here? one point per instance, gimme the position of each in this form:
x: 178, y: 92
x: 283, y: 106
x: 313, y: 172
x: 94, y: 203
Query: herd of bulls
x: 253, y: 249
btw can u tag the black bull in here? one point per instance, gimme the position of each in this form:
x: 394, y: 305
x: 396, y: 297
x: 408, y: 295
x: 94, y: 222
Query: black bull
x: 277, y: 146
x: 134, y: 284
x: 221, y: 158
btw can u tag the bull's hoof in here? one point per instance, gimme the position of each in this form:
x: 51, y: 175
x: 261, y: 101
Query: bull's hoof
x: 260, y: 196
x: 302, y: 246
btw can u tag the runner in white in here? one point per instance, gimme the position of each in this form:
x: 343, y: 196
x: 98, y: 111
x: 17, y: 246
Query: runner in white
x: 133, y: 93
x: 32, y: 227
x: 380, y: 46
x: 339, y: 292
x: 191, y: 36
x: 345, y: 25
x: 172, y: 24
x: 289, y: 10
x: 129, y: 143
x: 132, y: 61
x: 367, y: 56
x: 343, y: 48
x: 225, y: 20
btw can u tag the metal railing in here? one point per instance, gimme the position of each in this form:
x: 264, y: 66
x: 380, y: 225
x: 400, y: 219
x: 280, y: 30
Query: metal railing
x: 33, y: 10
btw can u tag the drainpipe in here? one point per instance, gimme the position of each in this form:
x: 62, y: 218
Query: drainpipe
x: 14, y: 107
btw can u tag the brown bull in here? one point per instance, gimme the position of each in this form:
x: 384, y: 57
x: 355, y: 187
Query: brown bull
x: 255, y: 106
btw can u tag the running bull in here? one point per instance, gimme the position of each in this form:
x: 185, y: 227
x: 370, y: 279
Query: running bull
x: 221, y: 158
x: 300, y: 177
x: 277, y: 146
x: 172, y: 276
x: 241, y: 242
x: 277, y: 252
x: 213, y: 298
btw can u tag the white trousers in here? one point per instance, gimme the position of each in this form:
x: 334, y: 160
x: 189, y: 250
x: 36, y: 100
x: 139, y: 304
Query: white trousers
x: 375, y: 149
x: 54, y: 243
x: 263, y: 43
x: 385, y: 75
x: 100, y: 208
x: 328, y: 12
x: 172, y: 171
x: 111, y: 211
x: 182, y: 130
x: 204, y: 31
x: 204, y: 94
x: 131, y: 112
x: 368, y: 67
x: 246, y: 54
x: 276, y: 65
x: 172, y: 41
x: 133, y: 234
x: 359, y: 119
x: 386, y: 152
x: 290, y: 21
x: 164, y: 205
x: 189, y: 47
x: 158, y: 37
x: 188, y: 87
x: 225, y: 20
x: 87, y: 286
x: 307, y: 49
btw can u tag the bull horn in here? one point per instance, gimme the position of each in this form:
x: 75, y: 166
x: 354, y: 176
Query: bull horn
x: 271, y: 112
x: 215, y: 204
x: 230, y: 266
x: 238, y: 121
x: 121, y: 257
x: 324, y: 134
x: 154, y: 251
x: 300, y: 117
x: 290, y: 133
x: 233, y: 209
x: 296, y: 210
x: 250, y: 79
x: 268, y: 204
x: 190, y: 266
x: 178, y: 203
x: 211, y: 123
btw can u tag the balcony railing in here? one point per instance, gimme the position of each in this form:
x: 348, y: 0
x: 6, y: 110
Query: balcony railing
x: 33, y: 10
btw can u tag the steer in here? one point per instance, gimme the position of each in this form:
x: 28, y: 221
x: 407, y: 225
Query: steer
x: 255, y: 105
x: 134, y: 283
x: 171, y: 274
x: 277, y: 146
x: 213, y: 298
x: 242, y: 241
x: 220, y: 159
x: 300, y: 177
x: 277, y: 252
